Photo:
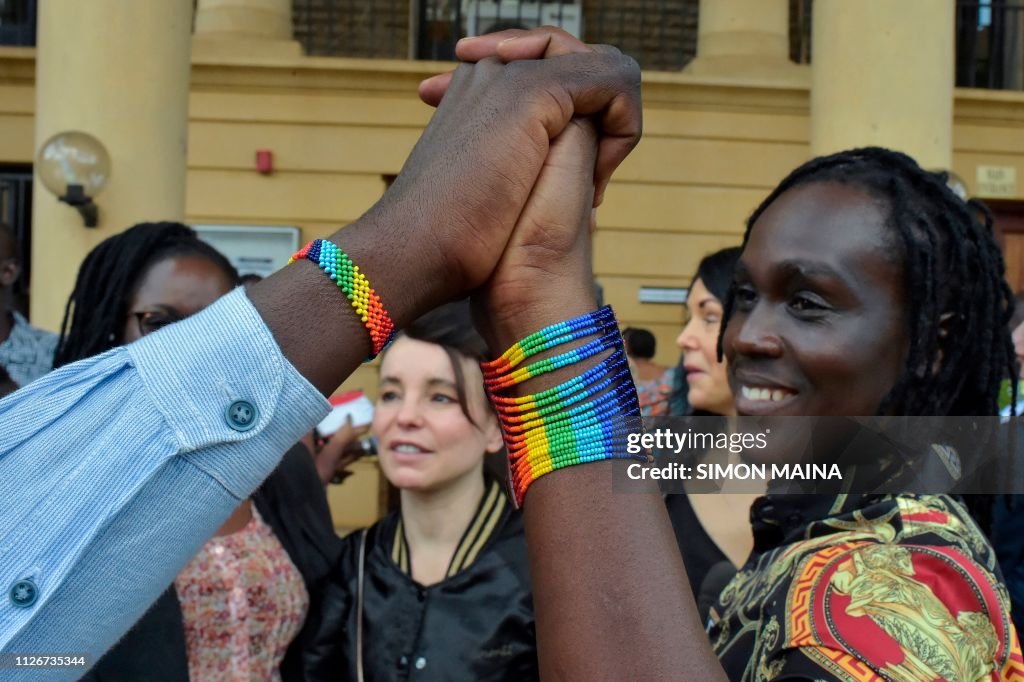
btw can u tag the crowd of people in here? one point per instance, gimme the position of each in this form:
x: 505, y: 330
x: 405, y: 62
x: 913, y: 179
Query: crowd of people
x: 166, y: 512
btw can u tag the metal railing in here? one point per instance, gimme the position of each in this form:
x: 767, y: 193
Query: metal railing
x: 990, y: 44
x: 353, y: 28
x: 17, y: 22
x: 660, y: 34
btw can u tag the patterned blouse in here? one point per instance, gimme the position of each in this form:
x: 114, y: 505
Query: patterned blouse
x: 866, y: 588
x: 654, y: 394
x: 243, y: 601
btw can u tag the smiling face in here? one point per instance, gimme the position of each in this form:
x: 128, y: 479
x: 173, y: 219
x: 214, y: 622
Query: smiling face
x: 426, y: 442
x: 705, y: 375
x: 819, y: 322
x: 171, y: 290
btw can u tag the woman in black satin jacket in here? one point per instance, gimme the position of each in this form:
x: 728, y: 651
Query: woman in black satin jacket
x: 439, y: 590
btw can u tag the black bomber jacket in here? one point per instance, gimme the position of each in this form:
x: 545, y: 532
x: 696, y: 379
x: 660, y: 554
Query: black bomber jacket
x: 477, y: 624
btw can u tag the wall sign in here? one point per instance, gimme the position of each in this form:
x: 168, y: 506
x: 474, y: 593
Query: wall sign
x: 673, y: 295
x: 997, y: 182
x: 255, y: 249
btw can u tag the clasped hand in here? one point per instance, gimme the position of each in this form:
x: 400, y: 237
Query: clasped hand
x: 527, y: 133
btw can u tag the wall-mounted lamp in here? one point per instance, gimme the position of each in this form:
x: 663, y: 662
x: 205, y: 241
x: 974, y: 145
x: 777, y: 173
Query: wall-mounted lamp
x: 75, y: 166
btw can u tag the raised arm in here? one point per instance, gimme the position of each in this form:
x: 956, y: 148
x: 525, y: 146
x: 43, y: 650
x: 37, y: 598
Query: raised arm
x: 611, y: 595
x: 114, y: 470
x: 439, y: 230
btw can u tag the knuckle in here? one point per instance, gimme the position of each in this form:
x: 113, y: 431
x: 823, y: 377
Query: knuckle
x: 518, y: 71
x: 629, y: 66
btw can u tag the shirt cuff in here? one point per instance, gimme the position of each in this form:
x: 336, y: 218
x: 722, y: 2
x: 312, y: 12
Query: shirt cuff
x: 219, y: 378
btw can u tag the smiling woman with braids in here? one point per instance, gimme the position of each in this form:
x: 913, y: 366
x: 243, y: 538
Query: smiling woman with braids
x: 276, y: 547
x: 866, y: 287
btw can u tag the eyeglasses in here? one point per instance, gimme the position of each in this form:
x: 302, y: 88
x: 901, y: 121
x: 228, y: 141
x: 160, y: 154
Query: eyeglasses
x: 150, y: 321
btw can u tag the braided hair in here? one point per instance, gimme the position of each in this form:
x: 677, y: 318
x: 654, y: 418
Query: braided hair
x: 110, y: 276
x: 953, y: 274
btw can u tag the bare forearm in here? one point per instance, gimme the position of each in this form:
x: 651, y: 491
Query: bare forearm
x: 312, y: 320
x: 611, y: 594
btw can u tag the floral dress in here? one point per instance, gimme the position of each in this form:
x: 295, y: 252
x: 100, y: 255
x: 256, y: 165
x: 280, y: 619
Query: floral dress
x: 243, y: 601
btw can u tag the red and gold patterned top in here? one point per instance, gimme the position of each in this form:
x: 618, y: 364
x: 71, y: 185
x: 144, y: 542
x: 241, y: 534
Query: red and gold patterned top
x: 861, y: 588
x: 243, y: 601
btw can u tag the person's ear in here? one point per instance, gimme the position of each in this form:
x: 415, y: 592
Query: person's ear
x: 9, y: 271
x: 493, y: 440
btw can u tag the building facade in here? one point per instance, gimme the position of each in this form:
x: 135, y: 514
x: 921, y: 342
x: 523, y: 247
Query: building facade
x: 184, y: 97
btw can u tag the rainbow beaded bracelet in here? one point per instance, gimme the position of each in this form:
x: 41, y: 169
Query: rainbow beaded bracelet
x: 337, y: 265
x: 599, y: 321
x: 585, y: 419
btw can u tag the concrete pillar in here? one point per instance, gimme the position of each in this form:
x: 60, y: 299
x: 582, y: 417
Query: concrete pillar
x: 882, y: 74
x: 119, y: 71
x: 743, y: 38
x: 249, y: 28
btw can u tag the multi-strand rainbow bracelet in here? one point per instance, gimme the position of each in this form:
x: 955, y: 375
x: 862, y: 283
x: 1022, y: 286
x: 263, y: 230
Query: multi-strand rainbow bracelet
x: 585, y: 419
x: 339, y: 267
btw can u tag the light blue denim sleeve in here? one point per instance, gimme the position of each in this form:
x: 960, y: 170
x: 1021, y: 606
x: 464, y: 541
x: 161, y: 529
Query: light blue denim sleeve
x: 116, y: 469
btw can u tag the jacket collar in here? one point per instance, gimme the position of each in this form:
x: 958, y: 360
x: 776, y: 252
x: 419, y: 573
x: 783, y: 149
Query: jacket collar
x: 483, y: 526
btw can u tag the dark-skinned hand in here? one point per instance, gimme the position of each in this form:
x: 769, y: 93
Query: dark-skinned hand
x: 545, y: 271
x: 490, y: 138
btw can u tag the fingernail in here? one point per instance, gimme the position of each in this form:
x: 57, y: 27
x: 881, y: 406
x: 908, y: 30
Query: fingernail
x: 508, y: 40
x: 465, y: 40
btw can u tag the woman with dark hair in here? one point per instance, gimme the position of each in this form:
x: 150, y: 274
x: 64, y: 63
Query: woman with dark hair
x: 706, y: 382
x: 238, y: 609
x: 713, y: 530
x: 441, y: 587
x: 704, y: 307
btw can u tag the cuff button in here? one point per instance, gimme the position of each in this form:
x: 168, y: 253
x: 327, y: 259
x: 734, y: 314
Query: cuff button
x: 241, y: 415
x: 24, y: 593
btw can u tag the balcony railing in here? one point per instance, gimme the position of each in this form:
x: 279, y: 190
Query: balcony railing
x: 17, y: 22
x: 661, y: 34
x: 990, y: 44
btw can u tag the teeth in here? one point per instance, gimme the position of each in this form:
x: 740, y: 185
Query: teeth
x: 765, y: 394
x: 405, y: 447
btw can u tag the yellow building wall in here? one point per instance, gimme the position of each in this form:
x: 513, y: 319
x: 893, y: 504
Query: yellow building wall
x: 712, y: 149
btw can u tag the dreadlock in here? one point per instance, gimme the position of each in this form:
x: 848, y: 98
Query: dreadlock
x: 109, y: 277
x: 953, y: 274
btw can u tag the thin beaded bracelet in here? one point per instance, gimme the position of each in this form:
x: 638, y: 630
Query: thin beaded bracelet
x: 596, y: 373
x: 339, y: 267
x: 616, y: 398
x: 580, y: 327
x: 584, y: 419
x: 498, y: 382
x: 567, y: 395
x: 555, y: 407
x: 568, y: 452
